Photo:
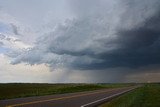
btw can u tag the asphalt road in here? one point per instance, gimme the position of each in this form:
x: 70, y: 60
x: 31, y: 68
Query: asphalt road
x: 80, y: 99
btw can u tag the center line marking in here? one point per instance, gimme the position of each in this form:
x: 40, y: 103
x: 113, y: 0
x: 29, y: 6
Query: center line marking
x: 61, y: 98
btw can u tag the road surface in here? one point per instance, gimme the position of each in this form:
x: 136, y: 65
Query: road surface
x: 80, y: 99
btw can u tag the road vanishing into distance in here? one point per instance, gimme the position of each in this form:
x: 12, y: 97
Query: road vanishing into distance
x: 79, y: 99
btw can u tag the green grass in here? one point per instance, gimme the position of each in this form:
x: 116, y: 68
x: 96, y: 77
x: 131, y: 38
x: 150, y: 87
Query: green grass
x: 16, y: 90
x: 146, y: 96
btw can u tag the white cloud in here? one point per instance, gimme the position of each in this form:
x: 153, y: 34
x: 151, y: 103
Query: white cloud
x: 12, y: 43
x: 17, y: 29
x: 22, y: 72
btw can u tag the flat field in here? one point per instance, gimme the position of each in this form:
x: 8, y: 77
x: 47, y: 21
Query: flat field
x: 146, y: 96
x: 17, y: 90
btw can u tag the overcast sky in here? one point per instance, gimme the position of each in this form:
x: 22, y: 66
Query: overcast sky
x: 79, y: 41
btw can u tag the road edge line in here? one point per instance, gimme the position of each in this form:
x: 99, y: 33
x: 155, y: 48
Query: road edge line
x: 109, y: 97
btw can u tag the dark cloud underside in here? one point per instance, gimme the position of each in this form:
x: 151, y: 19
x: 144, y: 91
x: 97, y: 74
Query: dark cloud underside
x: 120, y: 36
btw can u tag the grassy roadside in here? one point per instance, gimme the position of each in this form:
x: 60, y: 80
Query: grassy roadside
x: 146, y: 96
x: 16, y: 90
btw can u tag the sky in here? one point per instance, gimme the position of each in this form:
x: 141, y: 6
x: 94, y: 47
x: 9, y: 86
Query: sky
x: 79, y: 41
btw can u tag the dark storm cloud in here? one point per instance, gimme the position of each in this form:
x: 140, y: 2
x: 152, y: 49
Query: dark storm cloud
x: 138, y: 47
x: 120, y: 36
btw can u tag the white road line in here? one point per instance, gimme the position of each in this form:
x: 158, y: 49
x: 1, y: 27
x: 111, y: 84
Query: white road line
x: 114, y: 95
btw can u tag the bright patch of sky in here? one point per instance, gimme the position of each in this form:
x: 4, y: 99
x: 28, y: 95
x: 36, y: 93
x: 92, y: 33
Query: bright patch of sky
x: 3, y: 50
x: 4, y: 28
